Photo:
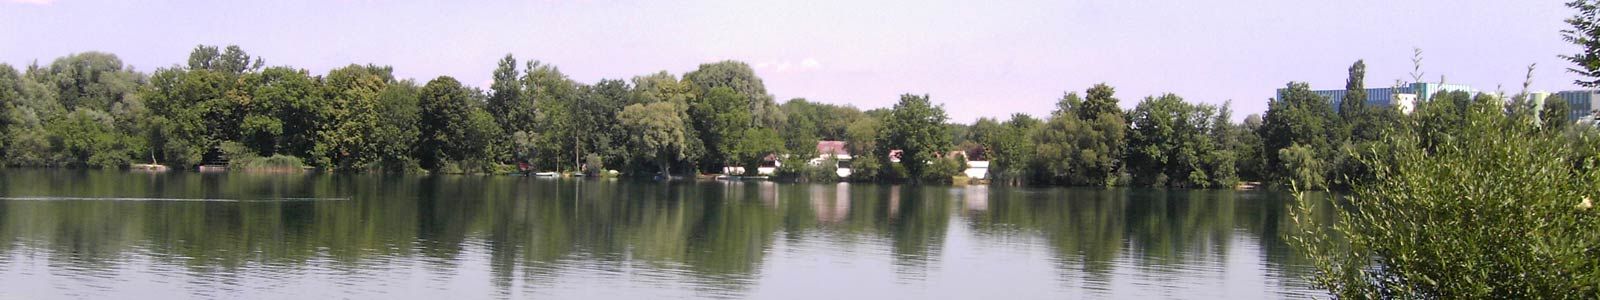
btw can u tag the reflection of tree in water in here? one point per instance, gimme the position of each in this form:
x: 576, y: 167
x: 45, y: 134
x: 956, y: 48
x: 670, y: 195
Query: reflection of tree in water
x: 534, y: 231
x: 1162, y: 230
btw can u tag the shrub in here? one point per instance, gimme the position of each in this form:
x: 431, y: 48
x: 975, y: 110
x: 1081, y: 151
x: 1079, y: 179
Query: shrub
x: 593, y: 165
x: 798, y: 169
x: 1492, y: 209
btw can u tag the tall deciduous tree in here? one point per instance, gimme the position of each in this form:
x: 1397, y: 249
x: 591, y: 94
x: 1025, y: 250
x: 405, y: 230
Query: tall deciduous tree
x: 656, y: 132
x: 507, y: 102
x: 739, y: 77
x: 356, y: 132
x: 232, y: 60
x: 916, y: 127
x: 720, y: 117
x: 1299, y: 117
x: 1174, y: 143
x: 1101, y: 100
x: 445, y: 122
x: 283, y: 112
x: 1075, y: 147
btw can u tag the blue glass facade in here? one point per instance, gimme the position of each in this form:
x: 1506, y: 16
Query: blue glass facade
x: 1581, y: 103
x: 1384, y: 97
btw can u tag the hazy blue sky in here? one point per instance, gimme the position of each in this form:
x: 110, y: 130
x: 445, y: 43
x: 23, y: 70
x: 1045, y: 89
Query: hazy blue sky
x: 978, y: 58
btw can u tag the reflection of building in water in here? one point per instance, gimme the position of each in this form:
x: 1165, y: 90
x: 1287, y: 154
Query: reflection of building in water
x: 831, y: 209
x: 976, y: 197
x: 769, y: 193
x: 894, y: 201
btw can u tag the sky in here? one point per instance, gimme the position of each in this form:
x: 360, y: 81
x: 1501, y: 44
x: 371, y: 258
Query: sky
x: 976, y: 58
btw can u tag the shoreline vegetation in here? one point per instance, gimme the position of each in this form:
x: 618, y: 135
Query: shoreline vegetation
x: 1463, y: 196
x: 227, y: 110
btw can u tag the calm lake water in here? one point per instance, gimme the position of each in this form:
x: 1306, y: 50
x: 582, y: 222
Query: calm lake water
x: 80, y: 234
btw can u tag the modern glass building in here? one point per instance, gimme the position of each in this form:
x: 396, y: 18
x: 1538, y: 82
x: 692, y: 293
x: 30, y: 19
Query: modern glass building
x: 1403, y: 96
x: 1580, y: 102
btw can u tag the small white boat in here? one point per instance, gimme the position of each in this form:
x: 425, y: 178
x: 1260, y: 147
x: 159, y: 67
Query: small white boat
x: 546, y: 174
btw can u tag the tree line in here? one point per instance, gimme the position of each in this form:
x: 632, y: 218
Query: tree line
x: 91, y: 110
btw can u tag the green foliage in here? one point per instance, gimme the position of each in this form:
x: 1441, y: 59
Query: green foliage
x: 1101, y: 100
x: 88, y: 139
x: 282, y: 112
x: 915, y: 126
x: 1072, y: 150
x: 454, y: 129
x: 1553, y: 116
x: 754, y: 145
x: 370, y: 121
x: 555, y: 127
x: 593, y: 165
x: 231, y: 60
x: 748, y: 88
x: 1251, y: 158
x: 512, y: 109
x: 1300, y: 117
x: 657, y: 133
x: 1304, y: 168
x: 719, y: 119
x: 92, y: 80
x: 942, y: 170
x: 1585, y: 33
x: 1011, y: 148
x: 1174, y: 143
x: 1493, y: 209
x: 799, y: 169
x: 1355, y: 91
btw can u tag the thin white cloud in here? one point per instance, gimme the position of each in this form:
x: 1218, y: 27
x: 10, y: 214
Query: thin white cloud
x: 33, y: 2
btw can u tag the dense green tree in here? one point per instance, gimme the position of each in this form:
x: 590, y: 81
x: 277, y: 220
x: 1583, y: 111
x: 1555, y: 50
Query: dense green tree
x: 231, y: 60
x: 1303, y: 168
x: 93, y: 80
x: 800, y: 132
x: 1071, y: 150
x: 739, y: 77
x: 1251, y: 159
x: 556, y: 132
x: 1355, y: 92
x: 451, y: 126
x: 809, y: 122
x: 720, y: 119
x: 10, y: 95
x: 915, y: 128
x: 754, y: 145
x: 349, y: 136
x: 88, y: 138
x: 512, y: 109
x: 861, y: 137
x: 664, y: 87
x: 656, y: 132
x: 1011, y: 148
x: 282, y: 111
x: 179, y: 101
x: 1101, y: 100
x: 1299, y: 117
x: 596, y: 111
x: 1174, y: 143
x: 398, y: 131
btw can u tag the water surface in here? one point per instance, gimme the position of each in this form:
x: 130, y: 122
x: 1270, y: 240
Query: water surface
x: 80, y: 234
